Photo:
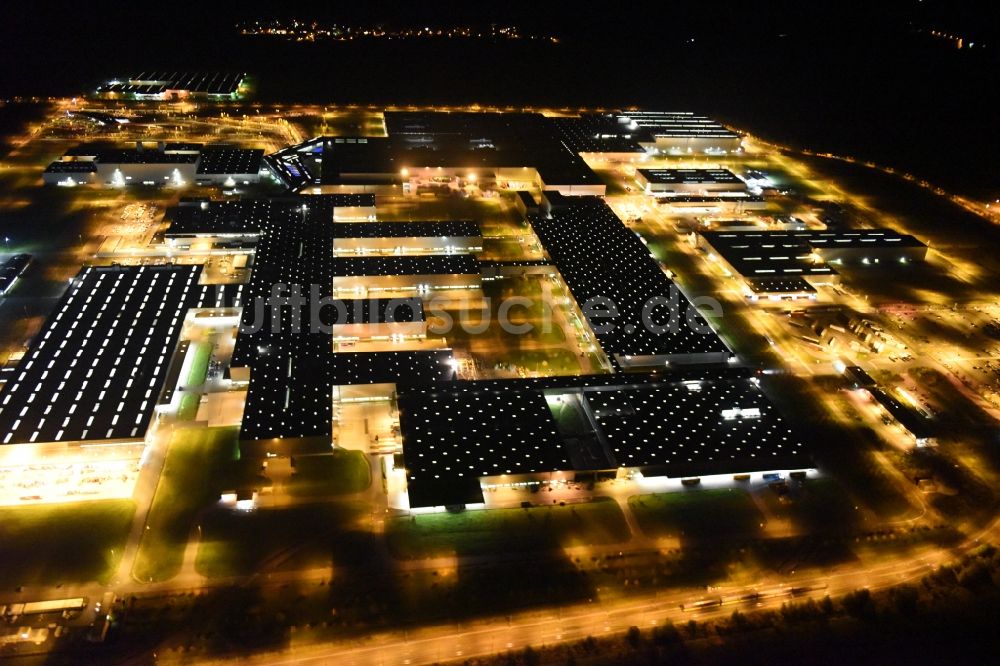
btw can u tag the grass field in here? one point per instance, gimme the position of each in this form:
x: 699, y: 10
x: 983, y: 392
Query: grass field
x: 543, y: 349
x: 822, y: 504
x: 545, y: 362
x: 240, y: 543
x: 62, y: 543
x: 499, y: 531
x: 187, y: 410
x: 509, y: 249
x: 339, y: 473
x: 199, y: 364
x: 697, y: 513
x: 198, y: 464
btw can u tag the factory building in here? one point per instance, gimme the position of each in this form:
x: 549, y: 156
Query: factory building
x: 638, y: 315
x: 463, y: 439
x: 160, y: 164
x: 428, y: 152
x: 174, y: 86
x: 623, y: 134
x: 666, y: 182
x: 788, y: 265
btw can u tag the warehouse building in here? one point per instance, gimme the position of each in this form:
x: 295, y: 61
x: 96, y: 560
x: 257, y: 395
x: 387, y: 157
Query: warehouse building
x: 627, y: 133
x: 638, y: 315
x: 918, y: 428
x: 294, y: 375
x: 244, y: 220
x: 680, y: 132
x: 466, y: 437
x: 160, y: 164
x: 441, y: 152
x: 70, y: 173
x: 774, y: 266
x: 779, y: 265
x: 228, y: 167
x: 866, y: 247
x: 174, y: 86
x: 712, y: 204
x: 95, y: 370
x: 11, y: 270
x: 666, y: 182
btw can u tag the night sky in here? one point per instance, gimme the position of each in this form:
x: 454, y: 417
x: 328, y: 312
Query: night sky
x: 851, y: 77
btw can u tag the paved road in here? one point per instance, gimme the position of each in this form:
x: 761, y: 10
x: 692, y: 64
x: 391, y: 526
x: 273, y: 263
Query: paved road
x: 573, y: 623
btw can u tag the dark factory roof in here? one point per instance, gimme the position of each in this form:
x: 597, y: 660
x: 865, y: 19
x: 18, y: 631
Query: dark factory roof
x: 675, y: 124
x: 685, y: 423
x: 879, y: 239
x: 780, y: 285
x: 211, y: 160
x: 198, y: 216
x: 151, y: 156
x: 625, y: 131
x: 816, y: 240
x: 615, y: 281
x: 218, y: 296
x: 11, y: 269
x: 433, y: 264
x: 289, y: 393
x: 452, y: 436
x: 183, y: 147
x: 594, y: 134
x: 695, y: 427
x: 95, y: 370
x: 790, y: 253
x: 418, y: 139
x: 756, y: 254
x: 60, y: 166
x: 719, y: 197
x: 293, y: 370
x: 293, y: 252
x: 344, y: 157
x: 230, y: 160
x: 251, y: 216
x: 690, y: 176
x: 403, y: 367
x: 431, y: 229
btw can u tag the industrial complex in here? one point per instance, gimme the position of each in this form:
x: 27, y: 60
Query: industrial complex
x: 341, y: 308
x: 382, y: 360
x: 337, y: 306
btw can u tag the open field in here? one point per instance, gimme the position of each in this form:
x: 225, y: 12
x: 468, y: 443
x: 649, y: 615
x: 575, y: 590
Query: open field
x: 62, y: 543
x: 192, y: 479
x: 342, y: 122
x: 814, y: 505
x: 339, y: 473
x: 239, y: 543
x: 501, y: 531
x: 697, y: 514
